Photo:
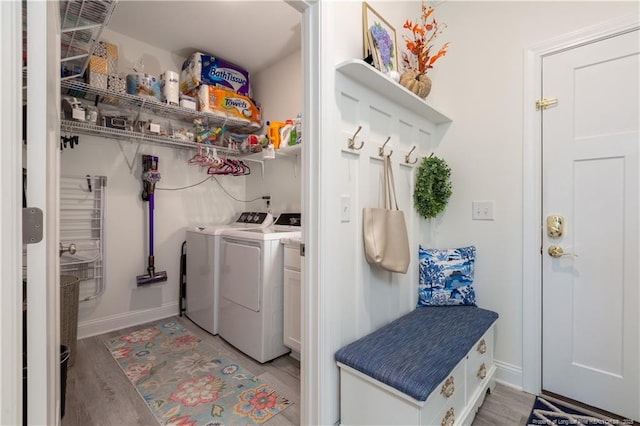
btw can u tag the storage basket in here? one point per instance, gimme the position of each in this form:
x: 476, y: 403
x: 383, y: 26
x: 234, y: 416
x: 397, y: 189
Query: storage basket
x: 69, y: 297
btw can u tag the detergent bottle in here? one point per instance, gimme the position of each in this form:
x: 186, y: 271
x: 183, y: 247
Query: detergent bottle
x: 286, y: 132
x: 273, y: 132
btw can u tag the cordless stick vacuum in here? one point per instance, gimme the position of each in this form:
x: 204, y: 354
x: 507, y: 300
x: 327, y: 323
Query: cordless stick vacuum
x: 150, y: 176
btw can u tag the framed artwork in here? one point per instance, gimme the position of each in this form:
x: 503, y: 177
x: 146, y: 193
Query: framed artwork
x: 379, y: 40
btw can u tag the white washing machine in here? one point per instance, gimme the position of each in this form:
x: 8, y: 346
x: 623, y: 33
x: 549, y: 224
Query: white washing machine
x: 202, y: 267
x: 251, y: 287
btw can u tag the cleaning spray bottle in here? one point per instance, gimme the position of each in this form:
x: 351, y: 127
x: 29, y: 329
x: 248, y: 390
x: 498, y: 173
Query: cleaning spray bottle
x: 298, y: 129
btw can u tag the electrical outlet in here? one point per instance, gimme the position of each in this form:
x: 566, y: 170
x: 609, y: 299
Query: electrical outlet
x: 345, y: 208
x: 482, y: 210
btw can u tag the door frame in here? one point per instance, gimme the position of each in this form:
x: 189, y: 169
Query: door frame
x: 43, y: 160
x: 532, y: 188
x: 312, y: 385
x: 10, y: 209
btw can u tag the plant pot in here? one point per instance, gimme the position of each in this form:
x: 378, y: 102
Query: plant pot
x: 416, y: 82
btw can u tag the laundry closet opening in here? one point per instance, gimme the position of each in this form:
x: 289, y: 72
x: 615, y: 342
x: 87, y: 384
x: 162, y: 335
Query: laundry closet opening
x: 202, y: 196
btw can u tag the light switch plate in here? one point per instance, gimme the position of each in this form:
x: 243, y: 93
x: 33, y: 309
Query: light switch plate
x: 345, y: 208
x: 482, y: 210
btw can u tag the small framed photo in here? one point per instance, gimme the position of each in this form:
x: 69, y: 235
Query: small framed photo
x: 379, y: 40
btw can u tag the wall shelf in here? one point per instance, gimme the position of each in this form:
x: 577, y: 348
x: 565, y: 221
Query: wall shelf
x: 134, y: 103
x: 92, y: 129
x: 370, y: 77
x: 285, y: 151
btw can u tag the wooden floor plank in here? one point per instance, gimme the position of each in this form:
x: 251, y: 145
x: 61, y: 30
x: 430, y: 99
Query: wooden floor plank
x: 505, y: 406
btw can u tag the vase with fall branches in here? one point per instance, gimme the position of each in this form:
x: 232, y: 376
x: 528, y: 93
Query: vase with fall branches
x: 420, y: 56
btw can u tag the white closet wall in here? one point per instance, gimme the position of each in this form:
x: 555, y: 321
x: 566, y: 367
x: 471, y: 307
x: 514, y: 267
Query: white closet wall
x: 124, y: 304
x: 279, y: 91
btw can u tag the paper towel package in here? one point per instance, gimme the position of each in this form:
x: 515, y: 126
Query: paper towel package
x: 214, y: 100
x: 201, y: 68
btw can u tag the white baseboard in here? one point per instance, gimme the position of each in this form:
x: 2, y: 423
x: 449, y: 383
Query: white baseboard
x: 508, y: 374
x: 128, y: 319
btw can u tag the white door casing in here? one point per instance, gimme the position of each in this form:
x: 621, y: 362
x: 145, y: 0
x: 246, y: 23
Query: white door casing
x: 10, y: 213
x: 591, y: 177
x: 43, y: 158
x: 532, y: 192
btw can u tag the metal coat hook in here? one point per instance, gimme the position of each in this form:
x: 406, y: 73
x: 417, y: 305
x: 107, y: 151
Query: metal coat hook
x: 406, y: 157
x: 381, y: 149
x: 352, y: 141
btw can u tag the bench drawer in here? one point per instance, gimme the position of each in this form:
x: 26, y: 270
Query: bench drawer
x: 480, y: 361
x: 448, y: 410
x: 450, y: 392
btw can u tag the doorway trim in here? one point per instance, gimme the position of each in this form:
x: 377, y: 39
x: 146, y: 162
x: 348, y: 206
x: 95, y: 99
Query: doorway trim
x: 310, y: 365
x: 532, y: 188
x: 10, y: 213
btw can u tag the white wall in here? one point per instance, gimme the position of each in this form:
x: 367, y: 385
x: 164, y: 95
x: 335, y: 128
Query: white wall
x: 124, y: 304
x: 479, y: 84
x: 279, y: 91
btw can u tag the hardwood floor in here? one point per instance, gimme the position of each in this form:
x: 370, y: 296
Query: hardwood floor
x: 98, y: 392
x: 505, y: 407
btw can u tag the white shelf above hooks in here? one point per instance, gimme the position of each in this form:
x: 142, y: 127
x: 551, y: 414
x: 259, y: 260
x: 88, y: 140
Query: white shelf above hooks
x: 370, y: 77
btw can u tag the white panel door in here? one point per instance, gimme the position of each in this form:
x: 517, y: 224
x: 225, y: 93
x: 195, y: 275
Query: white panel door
x: 591, y: 179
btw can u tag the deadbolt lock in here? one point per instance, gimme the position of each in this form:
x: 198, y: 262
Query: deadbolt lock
x: 555, y: 226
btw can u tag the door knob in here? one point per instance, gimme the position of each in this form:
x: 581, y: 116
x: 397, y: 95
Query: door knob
x: 556, y: 251
x: 71, y: 248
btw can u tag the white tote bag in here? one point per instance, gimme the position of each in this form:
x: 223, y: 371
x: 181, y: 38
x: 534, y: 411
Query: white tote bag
x: 386, y: 243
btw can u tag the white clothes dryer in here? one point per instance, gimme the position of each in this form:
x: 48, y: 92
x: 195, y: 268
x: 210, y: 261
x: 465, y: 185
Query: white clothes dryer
x: 202, y: 267
x: 251, y: 294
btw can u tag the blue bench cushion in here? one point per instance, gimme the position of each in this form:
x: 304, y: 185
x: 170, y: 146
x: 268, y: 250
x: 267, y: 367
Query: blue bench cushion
x: 416, y: 352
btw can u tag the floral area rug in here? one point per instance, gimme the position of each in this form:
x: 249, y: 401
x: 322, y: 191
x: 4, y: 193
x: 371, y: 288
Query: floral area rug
x: 184, y: 381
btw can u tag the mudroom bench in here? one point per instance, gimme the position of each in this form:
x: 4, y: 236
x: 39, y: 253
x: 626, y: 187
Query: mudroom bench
x: 432, y: 366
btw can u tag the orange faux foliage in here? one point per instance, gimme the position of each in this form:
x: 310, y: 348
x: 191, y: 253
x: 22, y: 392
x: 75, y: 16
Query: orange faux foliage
x: 419, y: 46
x: 440, y: 53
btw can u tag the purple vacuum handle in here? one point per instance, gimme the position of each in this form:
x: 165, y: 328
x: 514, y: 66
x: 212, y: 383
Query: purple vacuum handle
x: 151, y: 205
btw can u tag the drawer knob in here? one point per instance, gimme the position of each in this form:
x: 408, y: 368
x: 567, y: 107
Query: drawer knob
x: 482, y: 346
x: 482, y: 372
x: 448, y: 387
x: 449, y: 418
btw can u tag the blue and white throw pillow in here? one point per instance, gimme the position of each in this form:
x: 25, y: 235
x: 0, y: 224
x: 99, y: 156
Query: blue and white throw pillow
x: 446, y: 277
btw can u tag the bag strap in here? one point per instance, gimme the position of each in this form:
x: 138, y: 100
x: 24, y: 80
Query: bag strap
x: 385, y: 192
x: 390, y: 187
